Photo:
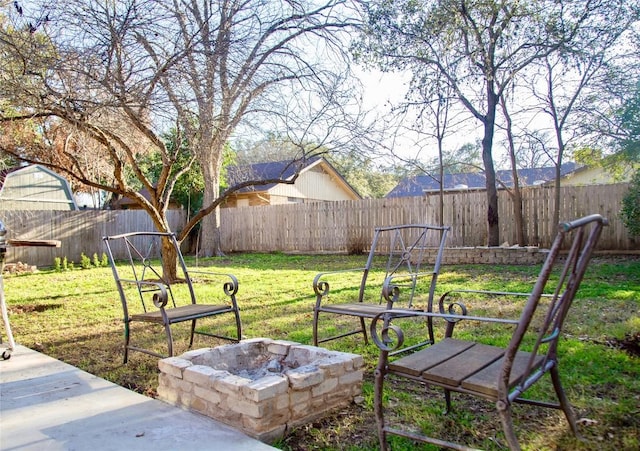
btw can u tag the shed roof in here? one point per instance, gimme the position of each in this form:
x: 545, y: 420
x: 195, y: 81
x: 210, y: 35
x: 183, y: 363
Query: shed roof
x: 25, y: 190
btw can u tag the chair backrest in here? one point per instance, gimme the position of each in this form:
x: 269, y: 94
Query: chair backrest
x: 403, y: 253
x: 142, y: 251
x: 543, y: 316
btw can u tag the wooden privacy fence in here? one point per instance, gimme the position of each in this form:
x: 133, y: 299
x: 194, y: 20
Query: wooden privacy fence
x: 340, y: 226
x: 80, y: 232
x: 326, y: 226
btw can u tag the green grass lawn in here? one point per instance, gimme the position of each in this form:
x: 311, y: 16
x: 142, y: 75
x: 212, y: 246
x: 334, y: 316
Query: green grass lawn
x: 75, y: 316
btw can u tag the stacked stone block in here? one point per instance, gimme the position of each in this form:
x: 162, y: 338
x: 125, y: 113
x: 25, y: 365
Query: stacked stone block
x: 489, y: 255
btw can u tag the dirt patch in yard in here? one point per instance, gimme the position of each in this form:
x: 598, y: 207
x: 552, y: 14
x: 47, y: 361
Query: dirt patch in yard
x: 630, y: 343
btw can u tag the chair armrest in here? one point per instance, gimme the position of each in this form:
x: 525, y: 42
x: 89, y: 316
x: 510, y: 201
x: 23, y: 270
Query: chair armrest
x: 159, y: 298
x: 230, y: 286
x: 386, y: 343
x: 391, y: 289
x: 321, y: 285
x: 489, y: 292
x: 451, y: 308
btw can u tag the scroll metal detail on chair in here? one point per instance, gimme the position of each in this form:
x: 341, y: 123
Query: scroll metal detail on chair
x: 147, y: 297
x: 400, y: 253
x: 501, y: 375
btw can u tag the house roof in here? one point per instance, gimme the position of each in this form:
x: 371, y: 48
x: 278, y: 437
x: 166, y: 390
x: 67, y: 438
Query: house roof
x: 284, y: 170
x: 420, y: 184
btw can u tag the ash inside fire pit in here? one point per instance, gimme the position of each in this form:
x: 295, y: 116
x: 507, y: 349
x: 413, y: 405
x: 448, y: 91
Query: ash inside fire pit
x: 273, y: 366
x: 261, y: 386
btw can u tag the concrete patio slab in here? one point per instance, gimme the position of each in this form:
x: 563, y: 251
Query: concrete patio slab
x: 46, y: 404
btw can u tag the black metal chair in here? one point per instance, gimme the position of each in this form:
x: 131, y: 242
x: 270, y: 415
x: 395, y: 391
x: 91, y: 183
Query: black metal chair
x: 494, y: 373
x: 148, y: 297
x: 398, y: 255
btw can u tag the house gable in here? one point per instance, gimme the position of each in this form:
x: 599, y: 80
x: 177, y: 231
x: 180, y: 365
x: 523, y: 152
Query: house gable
x: 318, y: 181
x: 594, y: 176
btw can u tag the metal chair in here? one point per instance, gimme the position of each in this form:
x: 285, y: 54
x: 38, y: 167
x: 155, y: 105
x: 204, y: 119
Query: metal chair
x: 148, y: 297
x: 498, y: 374
x: 397, y: 255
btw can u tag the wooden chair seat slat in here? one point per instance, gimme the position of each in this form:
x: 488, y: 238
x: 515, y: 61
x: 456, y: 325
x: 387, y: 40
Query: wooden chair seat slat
x: 463, y: 365
x: 181, y: 313
x: 418, y: 362
x: 357, y: 309
x: 485, y: 380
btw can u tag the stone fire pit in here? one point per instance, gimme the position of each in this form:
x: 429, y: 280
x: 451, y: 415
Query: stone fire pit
x: 263, y: 387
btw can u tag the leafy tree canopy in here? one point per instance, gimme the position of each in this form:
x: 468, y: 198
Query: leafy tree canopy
x: 364, y: 175
x: 630, y: 212
x: 625, y: 142
x: 630, y: 124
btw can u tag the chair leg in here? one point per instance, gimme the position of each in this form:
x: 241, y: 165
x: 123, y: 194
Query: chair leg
x: 315, y: 327
x: 238, y: 325
x: 447, y: 401
x: 127, y: 335
x: 363, y: 326
x: 377, y: 404
x: 193, y: 332
x: 167, y: 329
x: 504, y: 409
x: 564, y: 402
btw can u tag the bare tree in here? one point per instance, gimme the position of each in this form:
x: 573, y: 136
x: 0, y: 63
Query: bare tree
x: 515, y: 192
x: 123, y: 73
x: 435, y: 120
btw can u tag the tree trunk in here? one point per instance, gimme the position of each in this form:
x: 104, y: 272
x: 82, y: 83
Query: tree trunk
x: 517, y: 210
x: 493, y: 229
x: 210, y: 225
x: 210, y: 244
x: 441, y: 198
x: 556, y: 210
x: 441, y: 174
x: 169, y: 261
x: 516, y: 193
